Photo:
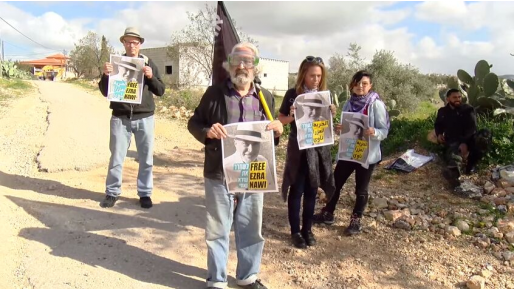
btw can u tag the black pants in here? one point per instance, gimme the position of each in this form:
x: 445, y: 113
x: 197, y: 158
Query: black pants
x: 343, y: 171
x: 454, y: 159
x: 301, y: 187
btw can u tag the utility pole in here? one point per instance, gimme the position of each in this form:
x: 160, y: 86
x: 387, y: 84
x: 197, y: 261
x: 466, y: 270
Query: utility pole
x: 1, y: 57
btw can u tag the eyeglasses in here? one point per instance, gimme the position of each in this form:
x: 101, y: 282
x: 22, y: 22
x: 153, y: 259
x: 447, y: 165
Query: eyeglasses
x: 314, y: 59
x: 129, y: 43
x: 247, y: 61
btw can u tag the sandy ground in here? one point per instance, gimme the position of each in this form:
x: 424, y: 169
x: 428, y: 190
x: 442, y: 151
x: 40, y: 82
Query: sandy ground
x: 53, y: 161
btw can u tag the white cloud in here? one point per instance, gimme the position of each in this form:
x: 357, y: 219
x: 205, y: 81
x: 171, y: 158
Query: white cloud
x: 292, y: 30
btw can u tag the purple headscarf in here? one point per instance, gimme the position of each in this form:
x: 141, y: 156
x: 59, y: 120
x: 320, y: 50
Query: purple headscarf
x: 359, y: 103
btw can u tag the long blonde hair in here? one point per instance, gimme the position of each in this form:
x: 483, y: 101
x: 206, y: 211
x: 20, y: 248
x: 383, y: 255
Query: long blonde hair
x: 302, y: 72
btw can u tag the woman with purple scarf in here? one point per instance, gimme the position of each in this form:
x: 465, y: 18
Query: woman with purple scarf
x: 363, y: 100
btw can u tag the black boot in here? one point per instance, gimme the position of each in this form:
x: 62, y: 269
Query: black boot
x: 309, y: 238
x: 298, y: 241
x: 354, y: 227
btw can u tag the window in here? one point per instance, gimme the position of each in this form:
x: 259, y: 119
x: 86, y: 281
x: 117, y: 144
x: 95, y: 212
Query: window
x: 265, y: 75
x: 169, y: 69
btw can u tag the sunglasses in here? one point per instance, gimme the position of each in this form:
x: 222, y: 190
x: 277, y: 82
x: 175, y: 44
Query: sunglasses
x: 318, y: 60
x: 247, y: 61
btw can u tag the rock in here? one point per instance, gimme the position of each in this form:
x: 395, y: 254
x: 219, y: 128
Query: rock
x: 380, y: 203
x: 510, y: 208
x: 506, y: 225
x: 510, y: 237
x: 476, y: 282
x: 508, y: 256
x: 402, y: 224
x: 414, y: 211
x: 462, y: 225
x: 499, y: 192
x: 486, y: 273
x: 469, y: 190
x: 392, y: 215
x: 504, y: 184
x: 510, y: 190
x: 487, y: 199
x: 488, y: 187
x: 452, y: 230
x: 500, y: 201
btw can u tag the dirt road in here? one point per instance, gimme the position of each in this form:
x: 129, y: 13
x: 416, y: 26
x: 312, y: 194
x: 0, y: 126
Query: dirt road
x: 53, y: 160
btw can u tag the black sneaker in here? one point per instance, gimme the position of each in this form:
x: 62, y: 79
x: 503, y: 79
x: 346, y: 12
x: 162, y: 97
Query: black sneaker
x: 298, y: 241
x: 309, y: 238
x: 323, y: 217
x: 354, y: 227
x: 146, y: 202
x: 108, y: 202
x: 255, y: 285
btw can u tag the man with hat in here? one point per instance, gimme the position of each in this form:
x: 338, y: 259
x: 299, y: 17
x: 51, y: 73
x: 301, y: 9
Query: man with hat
x: 234, y: 100
x: 247, y: 140
x: 128, y: 119
x: 353, y: 128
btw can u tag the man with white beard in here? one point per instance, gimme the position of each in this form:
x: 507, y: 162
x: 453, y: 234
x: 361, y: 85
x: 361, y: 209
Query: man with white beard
x: 233, y: 101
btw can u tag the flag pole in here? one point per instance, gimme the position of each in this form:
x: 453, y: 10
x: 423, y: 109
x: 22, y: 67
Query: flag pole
x: 263, y: 101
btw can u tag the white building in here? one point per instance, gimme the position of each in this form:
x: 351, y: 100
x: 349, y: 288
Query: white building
x: 176, y: 73
x: 274, y: 75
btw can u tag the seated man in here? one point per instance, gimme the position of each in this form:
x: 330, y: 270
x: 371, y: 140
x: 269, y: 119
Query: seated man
x: 456, y: 128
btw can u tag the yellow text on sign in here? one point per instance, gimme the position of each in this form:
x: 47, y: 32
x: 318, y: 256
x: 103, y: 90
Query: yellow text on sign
x: 131, y: 91
x: 318, y: 128
x: 258, y: 176
x: 360, y: 148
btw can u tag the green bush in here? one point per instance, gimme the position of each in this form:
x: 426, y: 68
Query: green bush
x: 502, y: 150
x: 406, y: 133
x: 187, y: 98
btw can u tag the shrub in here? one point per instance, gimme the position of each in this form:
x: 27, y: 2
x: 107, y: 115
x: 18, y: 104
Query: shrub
x: 188, y: 98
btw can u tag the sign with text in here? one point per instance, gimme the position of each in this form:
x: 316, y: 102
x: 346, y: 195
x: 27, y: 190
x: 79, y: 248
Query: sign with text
x: 126, y: 80
x: 249, y: 158
x: 353, y: 143
x: 313, y: 119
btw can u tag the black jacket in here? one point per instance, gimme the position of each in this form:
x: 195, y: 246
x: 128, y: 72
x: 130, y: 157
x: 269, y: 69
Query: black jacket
x: 155, y: 85
x: 212, y: 109
x: 319, y: 159
x: 457, y: 124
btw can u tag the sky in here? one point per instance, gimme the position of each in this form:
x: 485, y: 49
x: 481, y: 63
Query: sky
x: 434, y: 36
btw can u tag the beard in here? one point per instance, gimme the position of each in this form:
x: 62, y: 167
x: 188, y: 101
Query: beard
x: 241, y: 78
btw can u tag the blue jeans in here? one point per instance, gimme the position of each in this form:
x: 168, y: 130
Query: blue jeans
x: 247, y: 217
x: 121, y: 133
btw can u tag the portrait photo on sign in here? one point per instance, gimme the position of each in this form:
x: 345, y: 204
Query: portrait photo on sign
x: 249, y: 158
x: 313, y: 119
x: 126, y: 79
x: 353, y: 143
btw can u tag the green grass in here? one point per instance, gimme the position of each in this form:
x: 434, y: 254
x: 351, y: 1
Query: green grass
x: 424, y: 110
x: 13, y: 88
x: 83, y: 83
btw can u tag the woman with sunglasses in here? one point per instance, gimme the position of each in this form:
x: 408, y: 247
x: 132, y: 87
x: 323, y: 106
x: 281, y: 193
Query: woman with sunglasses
x: 308, y: 169
x: 366, y: 101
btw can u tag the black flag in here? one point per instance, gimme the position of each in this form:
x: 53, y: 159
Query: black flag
x: 224, y: 39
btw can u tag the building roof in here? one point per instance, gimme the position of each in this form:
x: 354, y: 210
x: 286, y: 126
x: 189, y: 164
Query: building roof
x: 55, y: 59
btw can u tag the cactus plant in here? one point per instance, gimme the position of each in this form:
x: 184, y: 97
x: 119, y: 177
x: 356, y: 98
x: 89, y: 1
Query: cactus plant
x: 484, y: 90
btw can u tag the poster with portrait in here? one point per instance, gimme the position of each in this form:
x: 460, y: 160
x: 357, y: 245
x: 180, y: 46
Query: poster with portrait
x: 249, y: 158
x: 126, y: 79
x: 313, y: 120
x: 353, y: 144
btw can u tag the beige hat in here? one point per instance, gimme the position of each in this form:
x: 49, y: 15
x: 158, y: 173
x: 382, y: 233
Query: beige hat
x: 315, y: 100
x: 132, y: 31
x: 128, y: 65
x: 246, y: 131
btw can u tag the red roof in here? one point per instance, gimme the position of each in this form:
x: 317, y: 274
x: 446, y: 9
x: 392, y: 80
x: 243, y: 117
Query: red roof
x: 58, y: 59
x: 58, y: 56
